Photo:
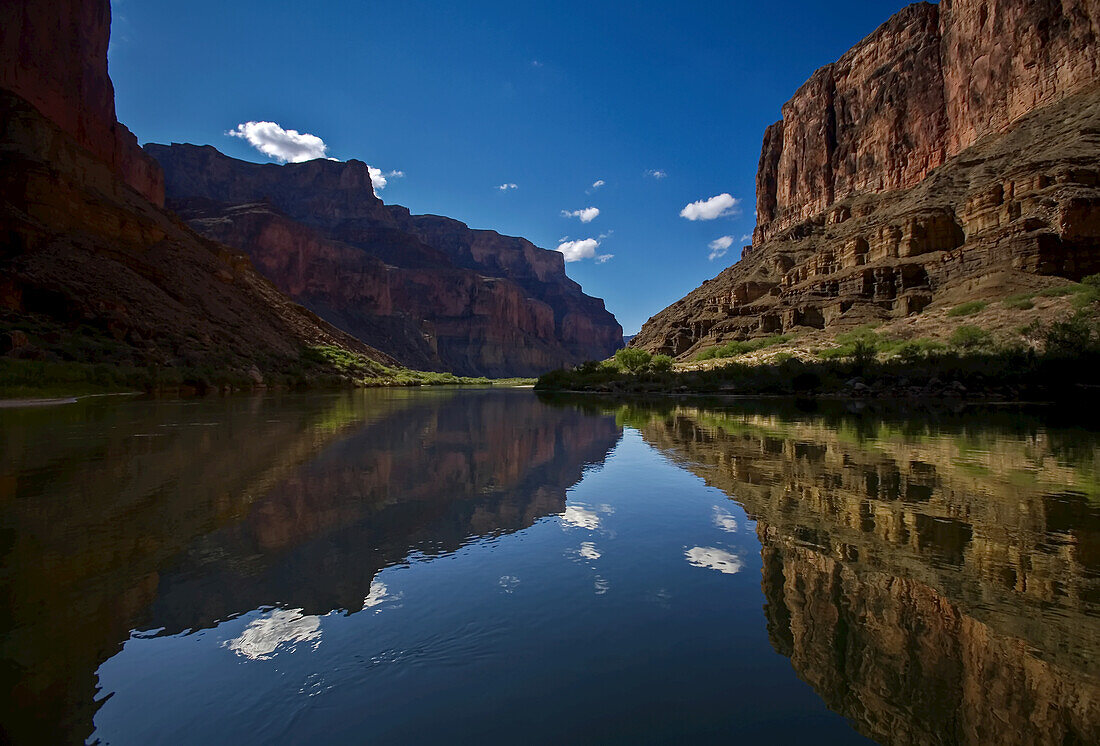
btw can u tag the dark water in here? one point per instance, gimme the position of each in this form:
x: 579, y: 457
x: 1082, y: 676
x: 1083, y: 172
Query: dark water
x: 482, y: 566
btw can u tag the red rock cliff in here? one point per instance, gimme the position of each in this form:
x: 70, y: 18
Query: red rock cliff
x: 55, y: 56
x: 927, y: 84
x: 429, y: 290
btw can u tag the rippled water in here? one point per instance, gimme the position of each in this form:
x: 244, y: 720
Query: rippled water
x: 472, y: 566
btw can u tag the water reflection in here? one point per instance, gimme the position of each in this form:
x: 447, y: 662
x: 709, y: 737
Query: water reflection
x: 936, y: 579
x: 174, y: 515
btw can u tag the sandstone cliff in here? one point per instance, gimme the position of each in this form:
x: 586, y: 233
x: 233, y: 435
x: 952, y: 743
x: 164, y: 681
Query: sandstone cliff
x: 91, y: 267
x: 953, y: 148
x: 426, y: 289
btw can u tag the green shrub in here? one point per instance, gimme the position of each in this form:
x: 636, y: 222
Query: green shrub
x: 742, y: 347
x: 632, y: 359
x: 968, y: 309
x: 970, y: 338
x: 1020, y: 302
x: 1071, y: 337
x: 1059, y: 291
x: 661, y: 363
x: 917, y: 349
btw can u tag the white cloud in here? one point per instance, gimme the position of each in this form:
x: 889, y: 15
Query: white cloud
x: 598, y: 183
x: 506, y: 187
x: 580, y: 249
x: 656, y: 173
x: 604, y: 258
x: 709, y: 209
x: 587, y: 215
x: 285, y: 146
x: 747, y: 237
x: 719, y: 247
x: 536, y: 63
x: 714, y: 559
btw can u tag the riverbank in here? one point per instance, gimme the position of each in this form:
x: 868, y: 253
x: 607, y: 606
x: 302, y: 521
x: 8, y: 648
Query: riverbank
x: 320, y: 368
x: 1012, y: 375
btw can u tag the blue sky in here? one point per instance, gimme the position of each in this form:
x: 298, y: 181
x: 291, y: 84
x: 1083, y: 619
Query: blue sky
x: 463, y: 98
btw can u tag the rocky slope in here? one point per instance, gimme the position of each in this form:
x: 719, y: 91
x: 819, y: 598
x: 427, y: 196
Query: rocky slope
x: 949, y: 155
x: 92, y: 269
x: 427, y: 289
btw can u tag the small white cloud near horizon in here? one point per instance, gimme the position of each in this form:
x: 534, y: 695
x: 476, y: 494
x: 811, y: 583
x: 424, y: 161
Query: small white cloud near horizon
x: 746, y: 237
x: 718, y: 206
x: 719, y: 247
x: 285, y: 146
x: 506, y: 187
x: 656, y: 173
x: 604, y: 258
x: 574, y: 251
x: 587, y: 215
x: 598, y: 183
x: 536, y: 63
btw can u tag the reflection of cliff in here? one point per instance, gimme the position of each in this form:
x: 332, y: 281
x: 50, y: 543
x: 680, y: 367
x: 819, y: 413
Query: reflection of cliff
x: 428, y: 481
x: 934, y: 584
x: 907, y: 665
x: 179, y: 514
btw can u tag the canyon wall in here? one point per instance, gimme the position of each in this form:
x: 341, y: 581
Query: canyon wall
x: 92, y: 269
x: 922, y: 88
x: 55, y: 57
x: 951, y: 153
x: 428, y: 290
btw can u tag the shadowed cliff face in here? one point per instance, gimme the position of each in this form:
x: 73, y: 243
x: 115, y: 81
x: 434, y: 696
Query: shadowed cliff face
x: 55, y: 56
x: 935, y: 582
x: 178, y: 515
x: 426, y: 289
x: 950, y: 155
x: 91, y: 266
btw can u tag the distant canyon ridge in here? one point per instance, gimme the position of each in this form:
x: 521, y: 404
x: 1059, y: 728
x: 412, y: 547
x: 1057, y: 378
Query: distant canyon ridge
x: 428, y: 290
x: 952, y: 154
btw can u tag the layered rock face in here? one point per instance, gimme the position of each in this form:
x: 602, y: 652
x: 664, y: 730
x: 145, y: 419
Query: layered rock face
x: 428, y: 290
x: 91, y: 266
x: 955, y: 141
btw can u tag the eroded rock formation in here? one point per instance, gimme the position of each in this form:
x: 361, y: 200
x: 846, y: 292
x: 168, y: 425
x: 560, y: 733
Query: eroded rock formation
x: 92, y: 269
x: 955, y: 141
x: 428, y: 290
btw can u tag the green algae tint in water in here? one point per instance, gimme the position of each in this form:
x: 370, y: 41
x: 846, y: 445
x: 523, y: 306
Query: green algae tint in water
x: 478, y: 566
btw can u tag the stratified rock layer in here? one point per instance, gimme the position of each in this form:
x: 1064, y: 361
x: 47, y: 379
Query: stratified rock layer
x: 87, y: 253
x: 956, y: 141
x: 426, y: 289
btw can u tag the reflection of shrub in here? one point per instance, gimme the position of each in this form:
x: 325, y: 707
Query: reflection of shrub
x: 661, y: 363
x: 968, y: 309
x: 970, y: 337
x: 632, y: 359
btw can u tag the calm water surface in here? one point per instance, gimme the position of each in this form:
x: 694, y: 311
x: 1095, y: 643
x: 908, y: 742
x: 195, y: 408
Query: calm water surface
x: 476, y: 566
